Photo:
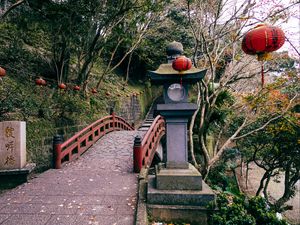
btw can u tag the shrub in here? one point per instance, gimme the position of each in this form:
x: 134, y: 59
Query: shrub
x: 239, y: 210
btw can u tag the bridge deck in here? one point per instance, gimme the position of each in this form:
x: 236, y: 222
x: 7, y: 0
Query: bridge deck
x: 99, y: 188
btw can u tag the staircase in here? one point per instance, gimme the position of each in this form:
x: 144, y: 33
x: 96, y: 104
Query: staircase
x: 149, y: 118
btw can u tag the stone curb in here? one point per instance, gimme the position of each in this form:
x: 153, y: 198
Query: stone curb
x: 141, y: 211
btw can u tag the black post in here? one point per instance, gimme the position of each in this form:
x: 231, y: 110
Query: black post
x: 137, y: 140
x: 111, y: 110
x: 57, y: 140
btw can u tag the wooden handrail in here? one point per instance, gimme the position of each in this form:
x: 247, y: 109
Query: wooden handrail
x: 76, y: 145
x: 144, y: 150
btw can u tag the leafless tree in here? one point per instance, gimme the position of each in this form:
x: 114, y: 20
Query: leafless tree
x: 218, y: 28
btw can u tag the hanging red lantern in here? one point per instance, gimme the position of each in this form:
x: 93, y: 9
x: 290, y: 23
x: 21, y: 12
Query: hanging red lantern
x: 62, y: 86
x: 2, y: 72
x: 182, y: 63
x: 76, y: 88
x: 44, y: 83
x: 94, y: 91
x: 262, y: 40
x: 40, y: 81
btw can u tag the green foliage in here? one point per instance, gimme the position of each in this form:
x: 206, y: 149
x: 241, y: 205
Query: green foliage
x: 276, y: 150
x: 258, y: 208
x: 48, y: 111
x: 65, y: 39
x: 230, y: 211
x: 219, y: 113
x: 37, y: 132
x: 241, y: 210
x: 18, y: 56
x: 282, y: 62
x: 221, y: 175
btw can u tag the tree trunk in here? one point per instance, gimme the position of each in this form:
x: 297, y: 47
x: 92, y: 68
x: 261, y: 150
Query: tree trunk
x: 265, y: 191
x: 128, y: 67
x: 83, y: 74
x: 247, y: 174
x: 192, y: 123
x: 261, y: 185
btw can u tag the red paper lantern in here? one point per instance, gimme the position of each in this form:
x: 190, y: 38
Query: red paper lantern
x: 76, y: 88
x: 182, y: 63
x: 62, y: 86
x: 94, y: 91
x: 40, y: 81
x: 44, y: 83
x: 2, y: 72
x: 262, y: 39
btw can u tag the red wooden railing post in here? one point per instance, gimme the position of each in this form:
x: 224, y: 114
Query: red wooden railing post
x: 57, y: 141
x: 137, y: 154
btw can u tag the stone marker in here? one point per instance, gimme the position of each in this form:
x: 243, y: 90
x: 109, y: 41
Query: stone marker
x: 12, y: 145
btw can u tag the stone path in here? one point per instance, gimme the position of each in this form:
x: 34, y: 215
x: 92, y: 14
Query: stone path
x: 98, y: 189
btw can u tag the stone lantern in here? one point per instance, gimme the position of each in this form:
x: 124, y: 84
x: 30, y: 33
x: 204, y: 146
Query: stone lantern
x: 177, y: 182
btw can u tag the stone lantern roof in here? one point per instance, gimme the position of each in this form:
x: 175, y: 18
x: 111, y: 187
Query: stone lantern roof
x: 166, y: 74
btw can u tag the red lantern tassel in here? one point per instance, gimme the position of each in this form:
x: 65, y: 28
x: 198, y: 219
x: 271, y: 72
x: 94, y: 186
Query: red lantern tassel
x: 262, y: 75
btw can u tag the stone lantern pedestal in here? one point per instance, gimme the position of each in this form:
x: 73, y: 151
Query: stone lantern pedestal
x: 176, y: 192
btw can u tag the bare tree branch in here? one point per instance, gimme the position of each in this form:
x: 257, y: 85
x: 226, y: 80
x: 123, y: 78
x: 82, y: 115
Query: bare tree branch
x: 13, y: 6
x: 269, y: 121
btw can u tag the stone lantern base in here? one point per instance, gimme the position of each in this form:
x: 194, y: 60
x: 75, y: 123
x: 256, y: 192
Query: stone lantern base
x: 178, y: 177
x: 178, y: 194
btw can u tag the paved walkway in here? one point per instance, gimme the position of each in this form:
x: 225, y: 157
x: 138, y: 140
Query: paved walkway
x: 98, y: 189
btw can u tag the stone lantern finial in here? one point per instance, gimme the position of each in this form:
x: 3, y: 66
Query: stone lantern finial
x: 173, y: 50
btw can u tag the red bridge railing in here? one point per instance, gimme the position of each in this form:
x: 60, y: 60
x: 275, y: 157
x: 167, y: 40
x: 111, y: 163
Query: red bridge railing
x: 144, y: 150
x: 81, y: 141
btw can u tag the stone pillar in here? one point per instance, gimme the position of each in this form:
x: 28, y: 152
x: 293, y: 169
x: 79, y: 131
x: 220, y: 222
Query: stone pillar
x: 177, y: 140
x: 12, y: 145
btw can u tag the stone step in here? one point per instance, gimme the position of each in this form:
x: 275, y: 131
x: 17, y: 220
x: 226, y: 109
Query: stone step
x: 151, y: 117
x: 179, y: 197
x: 171, y: 213
x: 149, y: 120
x: 181, y: 176
x: 146, y: 125
x: 143, y: 129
